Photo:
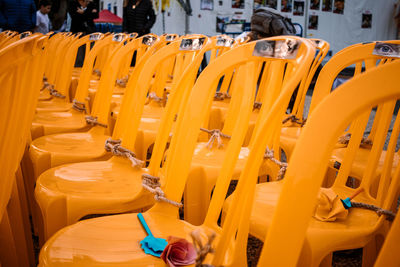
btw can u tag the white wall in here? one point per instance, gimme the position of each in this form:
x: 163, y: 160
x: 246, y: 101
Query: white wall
x: 117, y: 3
x: 339, y: 30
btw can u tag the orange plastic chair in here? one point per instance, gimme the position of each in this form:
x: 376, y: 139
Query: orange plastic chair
x: 20, y: 77
x: 70, y: 212
x: 358, y: 54
x: 207, y: 159
x: 284, y: 210
x: 121, y: 233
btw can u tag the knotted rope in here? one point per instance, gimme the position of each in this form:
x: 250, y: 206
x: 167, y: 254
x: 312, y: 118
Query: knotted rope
x: 123, y: 81
x: 54, y: 92
x: 93, y: 121
x: 97, y: 72
x: 215, y: 135
x: 294, y: 119
x: 152, y: 184
x: 114, y: 146
x: 79, y: 106
x: 269, y: 154
x: 345, y: 139
x: 257, y: 105
x: 153, y: 96
x: 202, y: 250
x: 389, y: 214
x: 221, y: 96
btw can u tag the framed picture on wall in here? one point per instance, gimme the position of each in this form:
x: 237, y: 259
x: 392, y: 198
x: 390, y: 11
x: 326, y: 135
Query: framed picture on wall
x: 286, y: 5
x: 338, y: 7
x: 237, y: 3
x: 366, y: 22
x: 327, y: 5
x: 313, y: 22
x: 207, y: 5
x: 314, y: 4
x: 298, y: 8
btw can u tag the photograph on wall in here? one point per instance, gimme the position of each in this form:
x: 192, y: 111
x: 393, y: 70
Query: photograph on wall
x: 338, y: 7
x: 298, y: 8
x: 258, y: 3
x: 271, y: 4
x: 286, y: 5
x: 207, y: 5
x: 327, y: 5
x: 366, y: 21
x: 387, y: 49
x: 314, y: 4
x: 221, y: 20
x: 276, y: 49
x: 237, y: 3
x: 313, y: 22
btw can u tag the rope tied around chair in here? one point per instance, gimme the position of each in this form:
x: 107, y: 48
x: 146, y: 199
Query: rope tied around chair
x: 114, y: 146
x: 54, y: 92
x: 155, y: 97
x: 153, y: 185
x: 93, y: 121
x: 269, y: 154
x: 387, y: 213
x: 257, y: 105
x: 345, y: 139
x: 79, y: 106
x: 123, y: 81
x: 97, y: 72
x: 292, y: 118
x: 216, y: 134
x: 221, y: 96
x: 202, y: 249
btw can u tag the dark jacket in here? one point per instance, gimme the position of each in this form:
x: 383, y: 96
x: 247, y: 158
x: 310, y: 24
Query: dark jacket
x: 82, y: 22
x: 139, y: 19
x: 17, y: 15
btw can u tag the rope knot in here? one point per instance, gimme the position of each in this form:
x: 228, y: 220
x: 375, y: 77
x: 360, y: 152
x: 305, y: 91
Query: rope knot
x: 79, y: 106
x: 93, y: 121
x: 345, y: 139
x: 257, y: 105
x: 202, y: 249
x: 269, y: 154
x: 216, y: 134
x: 152, y: 184
x: 123, y: 81
x: 114, y: 146
x: 97, y: 72
x: 221, y: 96
x: 292, y: 118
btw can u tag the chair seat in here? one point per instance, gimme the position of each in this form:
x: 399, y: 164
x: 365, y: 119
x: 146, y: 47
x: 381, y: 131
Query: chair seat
x: 355, y: 227
x: 111, y: 241
x: 53, y: 106
x: 71, y: 147
x: 45, y: 95
x: 359, y: 163
x: 57, y: 122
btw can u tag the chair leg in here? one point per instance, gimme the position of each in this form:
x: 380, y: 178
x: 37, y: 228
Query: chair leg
x: 370, y: 252
x: 8, y: 251
x: 327, y: 261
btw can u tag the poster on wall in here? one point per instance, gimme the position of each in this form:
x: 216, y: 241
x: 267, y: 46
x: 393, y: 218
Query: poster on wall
x: 298, y: 8
x: 207, y: 5
x: 314, y: 4
x: 257, y: 4
x: 221, y: 20
x: 286, y: 5
x: 237, y: 3
x: 366, y: 22
x: 313, y: 22
x: 338, y: 7
x: 327, y: 5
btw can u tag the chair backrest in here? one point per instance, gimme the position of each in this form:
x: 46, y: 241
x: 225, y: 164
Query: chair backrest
x: 184, y: 140
x: 306, y: 172
x: 21, y: 75
x: 367, y: 55
x: 64, y: 70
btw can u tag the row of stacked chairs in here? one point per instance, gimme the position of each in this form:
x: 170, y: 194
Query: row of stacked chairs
x: 142, y: 127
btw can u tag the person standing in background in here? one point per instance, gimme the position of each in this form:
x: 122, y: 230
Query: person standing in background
x: 42, y: 18
x: 82, y: 13
x: 138, y: 16
x: 17, y: 16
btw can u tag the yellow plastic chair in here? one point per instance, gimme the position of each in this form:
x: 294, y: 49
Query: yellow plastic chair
x: 83, y: 203
x: 119, y: 242
x: 360, y: 55
x: 20, y: 77
x: 207, y: 159
x: 284, y: 210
